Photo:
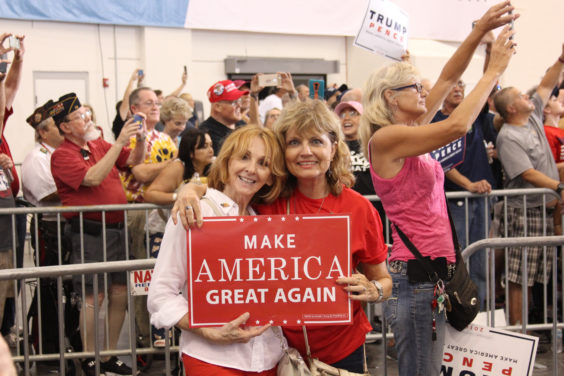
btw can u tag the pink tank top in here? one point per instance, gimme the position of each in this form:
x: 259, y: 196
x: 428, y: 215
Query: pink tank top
x: 414, y: 200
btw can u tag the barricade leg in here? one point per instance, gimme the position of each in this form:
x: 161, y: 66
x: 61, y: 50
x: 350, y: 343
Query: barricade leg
x: 136, y: 226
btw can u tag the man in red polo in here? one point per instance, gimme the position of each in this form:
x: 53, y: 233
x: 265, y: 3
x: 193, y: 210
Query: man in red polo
x: 84, y: 170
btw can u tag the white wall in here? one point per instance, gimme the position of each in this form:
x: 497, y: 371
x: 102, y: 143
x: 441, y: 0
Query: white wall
x: 114, y: 52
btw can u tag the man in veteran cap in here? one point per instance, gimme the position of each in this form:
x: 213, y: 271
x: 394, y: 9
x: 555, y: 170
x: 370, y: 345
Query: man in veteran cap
x: 225, y: 111
x: 38, y: 184
x: 84, y: 170
x: 39, y: 189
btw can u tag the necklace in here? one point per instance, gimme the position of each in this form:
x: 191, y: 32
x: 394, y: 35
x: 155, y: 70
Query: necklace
x: 320, y: 206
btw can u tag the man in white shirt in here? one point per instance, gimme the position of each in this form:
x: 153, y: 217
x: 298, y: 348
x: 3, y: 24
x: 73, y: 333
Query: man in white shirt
x: 38, y: 184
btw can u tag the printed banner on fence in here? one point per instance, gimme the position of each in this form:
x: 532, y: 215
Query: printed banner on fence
x: 280, y: 269
x: 451, y: 155
x: 139, y: 281
x: 480, y: 350
x: 384, y: 29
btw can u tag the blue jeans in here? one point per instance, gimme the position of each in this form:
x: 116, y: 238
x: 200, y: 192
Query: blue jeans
x: 476, y: 231
x: 409, y: 312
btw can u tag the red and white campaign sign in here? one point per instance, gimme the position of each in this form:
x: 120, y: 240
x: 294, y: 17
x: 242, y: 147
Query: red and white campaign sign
x: 481, y: 350
x: 279, y: 268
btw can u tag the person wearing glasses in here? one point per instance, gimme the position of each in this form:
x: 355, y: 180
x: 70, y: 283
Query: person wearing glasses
x: 85, y: 170
x: 398, y: 138
x: 225, y: 112
x: 160, y: 150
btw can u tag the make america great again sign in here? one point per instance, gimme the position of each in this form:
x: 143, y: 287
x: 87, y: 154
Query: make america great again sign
x: 279, y: 268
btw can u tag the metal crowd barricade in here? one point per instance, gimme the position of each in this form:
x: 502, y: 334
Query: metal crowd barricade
x: 59, y: 272
x: 26, y: 353
x: 27, y: 357
x: 489, y: 245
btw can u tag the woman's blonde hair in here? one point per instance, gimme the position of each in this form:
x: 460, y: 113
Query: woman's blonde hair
x: 309, y: 117
x: 377, y: 111
x: 174, y: 106
x: 236, y: 145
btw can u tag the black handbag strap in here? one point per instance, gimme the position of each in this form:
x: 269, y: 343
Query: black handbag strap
x: 424, y: 262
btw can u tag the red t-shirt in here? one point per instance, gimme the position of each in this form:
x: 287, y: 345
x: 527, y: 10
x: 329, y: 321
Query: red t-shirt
x: 555, y: 138
x: 5, y: 149
x: 69, y: 164
x: 332, y: 343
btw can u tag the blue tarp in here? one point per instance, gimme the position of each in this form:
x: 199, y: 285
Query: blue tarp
x: 165, y: 13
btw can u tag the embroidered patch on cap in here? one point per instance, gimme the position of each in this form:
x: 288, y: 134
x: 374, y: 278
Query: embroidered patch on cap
x: 218, y: 89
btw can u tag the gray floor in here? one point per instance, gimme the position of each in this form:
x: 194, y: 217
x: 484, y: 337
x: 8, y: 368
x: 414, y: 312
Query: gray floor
x: 377, y: 364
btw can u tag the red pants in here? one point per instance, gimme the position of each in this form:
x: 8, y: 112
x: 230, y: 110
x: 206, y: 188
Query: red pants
x: 196, y: 367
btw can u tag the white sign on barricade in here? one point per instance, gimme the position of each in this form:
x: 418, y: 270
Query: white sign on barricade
x: 384, y: 29
x: 480, y: 350
x: 139, y: 281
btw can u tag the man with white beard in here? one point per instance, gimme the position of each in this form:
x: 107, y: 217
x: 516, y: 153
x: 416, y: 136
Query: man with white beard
x: 85, y: 171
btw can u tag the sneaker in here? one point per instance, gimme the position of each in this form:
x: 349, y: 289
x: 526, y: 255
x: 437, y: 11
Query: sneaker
x: 114, y: 366
x: 89, y: 367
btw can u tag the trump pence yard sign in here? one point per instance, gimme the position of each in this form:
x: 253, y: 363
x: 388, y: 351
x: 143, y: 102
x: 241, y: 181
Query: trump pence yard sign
x: 279, y: 268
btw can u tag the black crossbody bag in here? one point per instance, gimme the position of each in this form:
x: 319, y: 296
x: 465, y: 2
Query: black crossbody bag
x: 461, y: 290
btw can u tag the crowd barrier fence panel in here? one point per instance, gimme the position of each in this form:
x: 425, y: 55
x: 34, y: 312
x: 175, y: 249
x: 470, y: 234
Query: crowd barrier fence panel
x: 60, y: 272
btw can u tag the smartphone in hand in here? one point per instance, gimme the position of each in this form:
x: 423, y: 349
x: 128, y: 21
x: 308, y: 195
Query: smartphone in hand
x: 14, y: 42
x: 4, y: 66
x: 316, y: 89
x: 269, y: 80
x: 138, y: 119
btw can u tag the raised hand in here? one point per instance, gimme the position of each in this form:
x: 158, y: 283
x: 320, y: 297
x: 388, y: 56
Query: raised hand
x: 286, y: 82
x: 502, y: 50
x: 18, y: 53
x: 130, y: 129
x: 498, y: 15
x: 255, y: 87
x: 3, y: 38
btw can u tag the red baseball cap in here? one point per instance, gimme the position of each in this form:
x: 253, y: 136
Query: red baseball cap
x: 239, y: 83
x: 225, y: 91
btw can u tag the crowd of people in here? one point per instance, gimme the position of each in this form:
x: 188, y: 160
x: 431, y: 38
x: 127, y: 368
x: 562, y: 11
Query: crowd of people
x: 291, y: 153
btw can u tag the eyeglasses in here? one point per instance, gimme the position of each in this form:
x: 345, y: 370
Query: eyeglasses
x: 83, y: 116
x: 234, y: 103
x: 461, y: 84
x: 416, y: 85
x: 348, y: 113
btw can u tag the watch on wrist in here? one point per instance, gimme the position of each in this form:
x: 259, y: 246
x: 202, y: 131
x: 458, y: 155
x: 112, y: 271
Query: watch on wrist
x: 559, y: 188
x: 380, y: 290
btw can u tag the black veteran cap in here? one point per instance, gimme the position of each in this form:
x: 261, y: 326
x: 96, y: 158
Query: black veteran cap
x: 40, y: 114
x: 64, y: 106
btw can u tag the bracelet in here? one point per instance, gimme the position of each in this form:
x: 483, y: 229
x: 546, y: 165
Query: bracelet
x: 254, y: 96
x: 560, y: 59
x: 174, y: 196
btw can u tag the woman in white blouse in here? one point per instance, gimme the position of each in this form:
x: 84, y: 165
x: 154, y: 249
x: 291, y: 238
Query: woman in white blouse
x: 248, y: 170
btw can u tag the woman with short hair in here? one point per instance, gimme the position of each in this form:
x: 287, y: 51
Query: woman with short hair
x: 249, y: 170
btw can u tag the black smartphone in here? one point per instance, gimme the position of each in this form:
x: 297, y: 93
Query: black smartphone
x: 185, y: 70
x: 3, y: 66
x: 512, y: 24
